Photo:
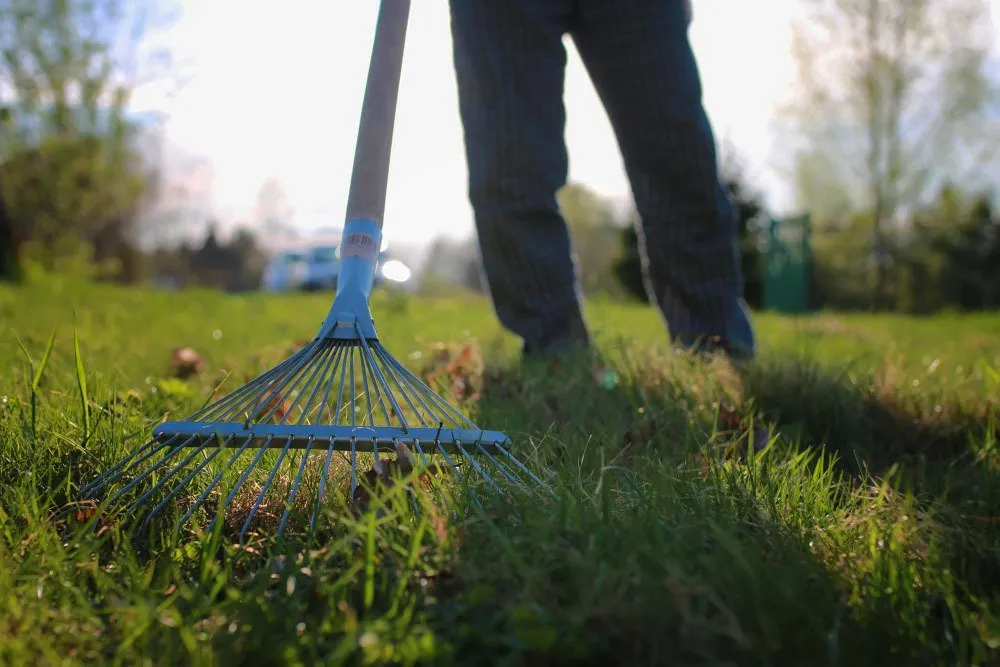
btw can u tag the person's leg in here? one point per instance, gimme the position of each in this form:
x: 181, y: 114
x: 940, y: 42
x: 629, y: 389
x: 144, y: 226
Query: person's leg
x: 641, y: 62
x: 509, y: 63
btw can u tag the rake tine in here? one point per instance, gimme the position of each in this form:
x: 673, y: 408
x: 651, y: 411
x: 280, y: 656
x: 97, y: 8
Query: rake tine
x: 381, y: 379
x: 295, y: 488
x: 237, y: 401
x: 422, y: 388
x: 479, y: 469
x: 149, y: 471
x: 340, y: 392
x: 329, y: 364
x: 242, y: 480
x: 367, y: 391
x: 276, y: 384
x: 320, y: 366
x: 466, y: 487
x: 113, y: 472
x: 354, y: 396
x: 520, y: 465
x: 328, y: 383
x: 263, y: 490
x: 173, y: 471
x: 394, y: 374
x: 279, y: 392
x: 503, y: 469
x: 183, y: 483
x: 215, y: 481
x: 322, y: 486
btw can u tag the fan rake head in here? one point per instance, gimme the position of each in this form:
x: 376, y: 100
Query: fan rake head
x: 309, y: 423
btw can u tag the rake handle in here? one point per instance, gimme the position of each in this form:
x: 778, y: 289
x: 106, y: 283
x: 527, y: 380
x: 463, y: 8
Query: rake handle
x: 370, y: 175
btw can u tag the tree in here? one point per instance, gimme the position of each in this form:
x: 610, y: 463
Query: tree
x: 453, y: 262
x: 71, y: 175
x: 9, y: 247
x: 594, y: 230
x: 889, y: 97
x: 951, y: 256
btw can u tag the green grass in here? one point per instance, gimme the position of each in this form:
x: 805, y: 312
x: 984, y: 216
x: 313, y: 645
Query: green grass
x: 865, y: 534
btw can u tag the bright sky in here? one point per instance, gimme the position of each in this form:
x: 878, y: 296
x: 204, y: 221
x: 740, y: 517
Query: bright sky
x: 277, y: 91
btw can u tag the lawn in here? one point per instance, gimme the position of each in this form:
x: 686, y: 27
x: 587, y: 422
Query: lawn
x: 865, y: 533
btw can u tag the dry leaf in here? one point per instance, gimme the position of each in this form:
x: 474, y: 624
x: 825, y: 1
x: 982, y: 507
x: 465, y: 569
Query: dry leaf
x: 185, y: 362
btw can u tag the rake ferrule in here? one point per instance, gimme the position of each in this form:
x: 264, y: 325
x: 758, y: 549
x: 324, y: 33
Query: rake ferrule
x: 350, y: 315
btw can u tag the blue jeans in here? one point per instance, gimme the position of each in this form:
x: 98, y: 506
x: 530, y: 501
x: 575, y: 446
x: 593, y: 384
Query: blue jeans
x: 510, y: 67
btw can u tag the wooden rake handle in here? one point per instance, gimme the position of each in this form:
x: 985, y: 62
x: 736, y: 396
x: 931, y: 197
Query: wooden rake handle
x: 370, y: 175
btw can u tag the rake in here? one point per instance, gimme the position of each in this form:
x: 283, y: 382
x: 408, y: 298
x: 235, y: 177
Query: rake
x: 311, y: 419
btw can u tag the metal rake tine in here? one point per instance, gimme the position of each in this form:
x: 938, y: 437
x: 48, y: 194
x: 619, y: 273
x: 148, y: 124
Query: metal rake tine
x: 163, y: 480
x: 381, y: 379
x: 278, y: 385
x: 340, y: 392
x: 215, y: 481
x: 113, y: 473
x: 320, y: 365
x: 367, y: 391
x: 402, y: 375
x: 464, y: 484
x: 149, y: 471
x: 520, y: 465
x: 471, y: 459
x: 264, y: 489
x: 183, y: 483
x: 295, y: 487
x: 422, y: 389
x: 326, y: 379
x: 243, y: 478
x: 322, y: 486
x: 279, y: 392
x: 237, y: 401
x: 381, y: 387
x: 394, y: 374
x: 354, y: 396
x: 502, y: 468
x: 321, y: 406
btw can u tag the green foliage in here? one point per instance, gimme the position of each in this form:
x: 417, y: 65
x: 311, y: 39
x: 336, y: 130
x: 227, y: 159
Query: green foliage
x: 594, y: 231
x: 72, y: 189
x: 890, y: 99
x: 945, y: 256
x: 71, y: 177
x: 863, y: 535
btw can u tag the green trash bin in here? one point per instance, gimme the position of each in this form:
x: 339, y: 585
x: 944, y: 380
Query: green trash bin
x: 787, y: 260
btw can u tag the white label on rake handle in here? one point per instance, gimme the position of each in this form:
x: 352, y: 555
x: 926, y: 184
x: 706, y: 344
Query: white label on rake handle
x: 360, y: 245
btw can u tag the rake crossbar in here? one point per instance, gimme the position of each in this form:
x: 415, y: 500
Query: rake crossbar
x: 342, y: 438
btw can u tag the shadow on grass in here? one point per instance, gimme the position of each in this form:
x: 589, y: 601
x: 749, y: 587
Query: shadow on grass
x: 944, y: 452
x: 658, y: 550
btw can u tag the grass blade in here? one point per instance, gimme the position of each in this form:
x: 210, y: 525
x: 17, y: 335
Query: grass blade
x: 37, y: 380
x: 81, y: 381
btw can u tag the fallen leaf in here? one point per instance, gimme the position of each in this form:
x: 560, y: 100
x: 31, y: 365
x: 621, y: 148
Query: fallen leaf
x: 185, y: 362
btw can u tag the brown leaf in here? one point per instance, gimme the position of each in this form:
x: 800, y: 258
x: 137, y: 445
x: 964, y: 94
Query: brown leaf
x: 185, y: 362
x: 85, y: 514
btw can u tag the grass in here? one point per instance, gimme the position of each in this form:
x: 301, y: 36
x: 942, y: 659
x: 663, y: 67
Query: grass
x: 866, y: 532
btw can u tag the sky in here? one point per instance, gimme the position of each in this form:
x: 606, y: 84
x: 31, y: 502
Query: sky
x: 275, y: 91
